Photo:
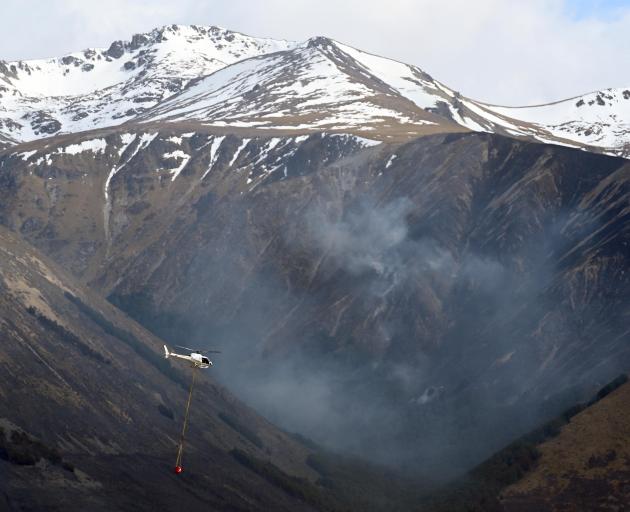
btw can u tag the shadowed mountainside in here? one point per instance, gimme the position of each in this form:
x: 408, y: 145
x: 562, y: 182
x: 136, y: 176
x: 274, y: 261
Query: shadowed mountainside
x: 420, y: 294
x: 90, y: 412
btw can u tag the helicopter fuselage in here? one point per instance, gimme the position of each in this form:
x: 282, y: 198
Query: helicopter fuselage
x: 196, y: 359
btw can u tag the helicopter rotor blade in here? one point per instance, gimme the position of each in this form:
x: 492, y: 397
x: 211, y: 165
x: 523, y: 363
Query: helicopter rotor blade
x: 200, y: 351
x: 187, y: 348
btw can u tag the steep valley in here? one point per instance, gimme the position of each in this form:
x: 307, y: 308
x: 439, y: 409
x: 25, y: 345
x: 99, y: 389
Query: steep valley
x: 415, y: 294
x: 420, y: 294
x: 90, y: 410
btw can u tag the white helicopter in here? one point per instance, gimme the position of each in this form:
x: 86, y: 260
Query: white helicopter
x: 196, y: 357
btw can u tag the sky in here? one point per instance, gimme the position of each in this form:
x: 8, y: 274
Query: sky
x: 510, y: 52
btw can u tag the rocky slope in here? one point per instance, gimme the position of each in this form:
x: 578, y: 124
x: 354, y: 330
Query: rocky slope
x: 90, y: 411
x: 576, y: 461
x: 394, y: 296
x: 419, y: 294
x: 585, y: 467
x: 89, y: 179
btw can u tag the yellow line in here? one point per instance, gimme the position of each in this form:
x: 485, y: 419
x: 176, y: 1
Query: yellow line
x: 180, y: 451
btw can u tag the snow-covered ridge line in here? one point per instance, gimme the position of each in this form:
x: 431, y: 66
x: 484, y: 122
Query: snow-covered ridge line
x: 101, y: 87
x: 211, y: 76
x: 54, y: 76
x: 314, y: 86
x: 554, y: 102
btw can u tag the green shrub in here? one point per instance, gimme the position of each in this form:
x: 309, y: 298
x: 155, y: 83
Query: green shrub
x: 299, y: 488
x: 609, y: 388
x: 21, y: 449
x: 360, y: 485
x: 68, y: 466
x: 67, y: 336
x: 245, y: 431
x: 165, y: 411
x: 152, y: 357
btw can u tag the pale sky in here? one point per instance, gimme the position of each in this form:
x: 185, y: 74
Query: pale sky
x: 501, y: 51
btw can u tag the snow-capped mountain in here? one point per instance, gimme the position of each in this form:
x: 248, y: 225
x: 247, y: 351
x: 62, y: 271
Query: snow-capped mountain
x: 326, y: 85
x: 598, y: 119
x: 102, y: 87
x: 211, y: 77
x: 318, y: 85
x: 218, y: 185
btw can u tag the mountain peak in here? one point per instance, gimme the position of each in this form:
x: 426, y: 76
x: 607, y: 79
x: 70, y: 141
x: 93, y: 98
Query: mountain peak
x: 101, y: 87
x: 211, y: 34
x: 319, y: 42
x: 161, y: 34
x: 322, y: 85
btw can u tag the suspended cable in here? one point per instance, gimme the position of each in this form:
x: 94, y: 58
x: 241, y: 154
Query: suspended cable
x: 180, y: 450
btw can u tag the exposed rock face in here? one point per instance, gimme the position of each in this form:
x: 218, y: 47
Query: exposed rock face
x: 419, y: 294
x: 116, y: 50
x: 43, y: 123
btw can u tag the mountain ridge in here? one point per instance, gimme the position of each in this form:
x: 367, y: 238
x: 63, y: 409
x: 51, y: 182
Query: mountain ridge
x: 103, y: 87
x: 393, y: 100
x: 262, y: 240
x: 391, y: 269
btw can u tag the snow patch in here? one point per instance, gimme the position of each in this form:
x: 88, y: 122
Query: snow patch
x: 26, y: 155
x: 238, y: 152
x: 94, y: 145
x: 214, y: 153
x: 178, y: 155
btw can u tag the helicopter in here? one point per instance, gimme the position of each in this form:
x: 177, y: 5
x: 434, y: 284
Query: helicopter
x: 196, y: 357
x: 197, y: 360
